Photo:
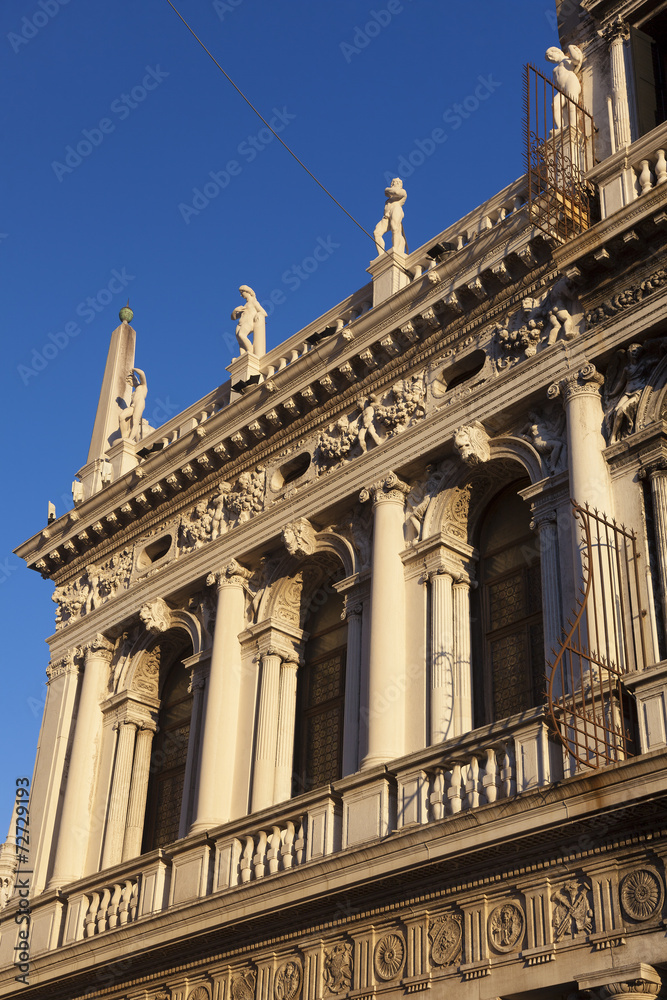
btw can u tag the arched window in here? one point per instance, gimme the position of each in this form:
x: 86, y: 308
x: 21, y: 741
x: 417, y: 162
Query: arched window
x: 507, y: 627
x: 168, y: 760
x: 318, y: 754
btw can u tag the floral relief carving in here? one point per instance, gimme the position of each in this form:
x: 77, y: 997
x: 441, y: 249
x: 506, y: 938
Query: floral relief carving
x: 572, y: 913
x: 93, y: 588
x: 446, y: 935
x: 642, y: 893
x: 628, y: 297
x: 506, y: 925
x: 554, y: 315
x: 228, y: 506
x: 389, y: 956
x: 288, y: 981
x: 338, y: 967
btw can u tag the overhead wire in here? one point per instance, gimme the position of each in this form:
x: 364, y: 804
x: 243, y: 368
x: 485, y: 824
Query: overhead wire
x: 281, y: 141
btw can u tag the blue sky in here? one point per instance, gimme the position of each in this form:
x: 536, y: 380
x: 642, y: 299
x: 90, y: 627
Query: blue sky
x: 114, y: 118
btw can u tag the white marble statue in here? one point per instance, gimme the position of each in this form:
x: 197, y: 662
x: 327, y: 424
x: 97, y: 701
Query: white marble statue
x: 131, y: 416
x: 251, y: 320
x: 566, y: 79
x: 392, y: 219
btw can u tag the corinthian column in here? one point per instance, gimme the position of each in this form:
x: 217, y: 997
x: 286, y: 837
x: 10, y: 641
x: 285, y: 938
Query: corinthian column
x: 264, y: 773
x: 442, y: 657
x: 589, y: 474
x: 616, y: 34
x: 75, y: 820
x: 136, y: 808
x: 221, y: 707
x: 120, y: 793
x: 387, y: 680
x: 657, y: 473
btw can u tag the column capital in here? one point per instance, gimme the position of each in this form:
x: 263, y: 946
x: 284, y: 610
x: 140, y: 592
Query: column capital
x: 389, y: 489
x: 100, y: 647
x: 654, y: 469
x: 352, y: 607
x: 69, y: 663
x: 586, y: 381
x: 542, y: 518
x: 233, y: 574
x: 616, y: 29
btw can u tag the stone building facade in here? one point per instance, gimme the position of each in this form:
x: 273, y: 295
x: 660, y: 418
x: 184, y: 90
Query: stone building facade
x: 300, y: 740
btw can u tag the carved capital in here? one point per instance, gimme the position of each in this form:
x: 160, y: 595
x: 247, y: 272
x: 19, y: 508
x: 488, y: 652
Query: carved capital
x: 586, y: 381
x: 391, y: 488
x: 616, y: 30
x: 653, y: 470
x: 543, y: 519
x: 156, y: 616
x: 70, y: 663
x: 231, y: 575
x: 100, y: 647
x: 642, y: 988
x: 352, y: 608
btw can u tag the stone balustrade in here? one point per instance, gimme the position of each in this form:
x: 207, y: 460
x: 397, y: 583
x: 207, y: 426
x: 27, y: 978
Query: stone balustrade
x: 113, y: 906
x: 461, y: 775
x: 632, y: 172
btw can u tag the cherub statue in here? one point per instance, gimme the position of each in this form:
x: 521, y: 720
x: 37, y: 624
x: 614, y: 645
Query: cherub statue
x: 566, y: 79
x: 625, y: 381
x: 366, y: 425
x: 251, y: 320
x: 218, y: 523
x: 547, y: 439
x: 131, y: 416
x: 392, y: 219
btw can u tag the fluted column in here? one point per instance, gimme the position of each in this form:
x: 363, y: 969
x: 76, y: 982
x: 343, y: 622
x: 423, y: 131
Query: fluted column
x: 353, y: 613
x: 120, y: 793
x: 657, y: 473
x: 221, y: 707
x: 462, y: 658
x: 589, y: 474
x: 616, y: 34
x: 136, y: 808
x: 267, y: 731
x: 285, y: 738
x: 199, y: 666
x: 442, y: 657
x: 387, y: 682
x: 75, y: 820
x: 545, y: 522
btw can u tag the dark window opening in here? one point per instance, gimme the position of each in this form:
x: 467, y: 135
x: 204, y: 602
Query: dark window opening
x: 648, y: 47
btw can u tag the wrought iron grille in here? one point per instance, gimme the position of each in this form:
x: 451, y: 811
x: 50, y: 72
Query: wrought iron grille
x: 560, y: 149
x: 591, y: 709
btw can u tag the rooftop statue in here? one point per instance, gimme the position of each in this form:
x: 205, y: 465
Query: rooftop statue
x: 251, y: 320
x: 392, y: 219
x: 131, y: 417
x: 566, y: 79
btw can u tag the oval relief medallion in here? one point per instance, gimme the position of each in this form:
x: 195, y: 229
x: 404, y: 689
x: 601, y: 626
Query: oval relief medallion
x: 506, y: 927
x: 446, y: 936
x: 389, y: 955
x: 287, y: 984
x: 642, y: 893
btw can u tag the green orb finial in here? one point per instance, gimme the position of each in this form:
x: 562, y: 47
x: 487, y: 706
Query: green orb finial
x: 126, y: 315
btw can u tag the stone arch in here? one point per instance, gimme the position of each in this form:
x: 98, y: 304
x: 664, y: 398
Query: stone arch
x: 296, y: 582
x: 143, y: 667
x: 464, y: 493
x: 652, y: 405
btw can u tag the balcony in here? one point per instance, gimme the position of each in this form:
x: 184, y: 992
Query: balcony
x: 632, y: 173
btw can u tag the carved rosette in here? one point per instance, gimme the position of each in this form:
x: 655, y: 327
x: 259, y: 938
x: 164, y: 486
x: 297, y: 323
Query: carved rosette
x: 391, y: 488
x: 446, y: 935
x: 586, y: 381
x: 642, y: 894
x: 199, y: 993
x: 389, y: 956
x: 243, y: 985
x: 506, y: 926
x: 338, y: 967
x: 288, y: 980
x: 156, y: 616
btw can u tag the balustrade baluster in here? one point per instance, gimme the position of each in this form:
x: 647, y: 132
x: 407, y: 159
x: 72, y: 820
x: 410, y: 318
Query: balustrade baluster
x: 437, y: 796
x: 300, y: 843
x: 490, y: 778
x: 287, y: 850
x: 645, y: 177
x: 273, y: 852
x: 259, y: 860
x: 246, y: 860
x: 454, y: 789
x: 661, y: 168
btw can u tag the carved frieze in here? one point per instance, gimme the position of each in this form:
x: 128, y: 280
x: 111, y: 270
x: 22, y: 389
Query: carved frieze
x: 628, y: 297
x: 92, y: 588
x: 506, y: 927
x: 389, y: 956
x: 572, y: 913
x: 446, y: 936
x: 243, y: 985
x: 338, y: 967
x: 642, y: 894
x: 288, y: 980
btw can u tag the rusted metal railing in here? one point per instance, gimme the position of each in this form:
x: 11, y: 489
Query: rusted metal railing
x: 590, y: 707
x: 560, y: 149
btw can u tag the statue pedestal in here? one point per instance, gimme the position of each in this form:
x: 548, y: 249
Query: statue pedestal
x: 241, y: 370
x: 388, y: 275
x: 123, y: 457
